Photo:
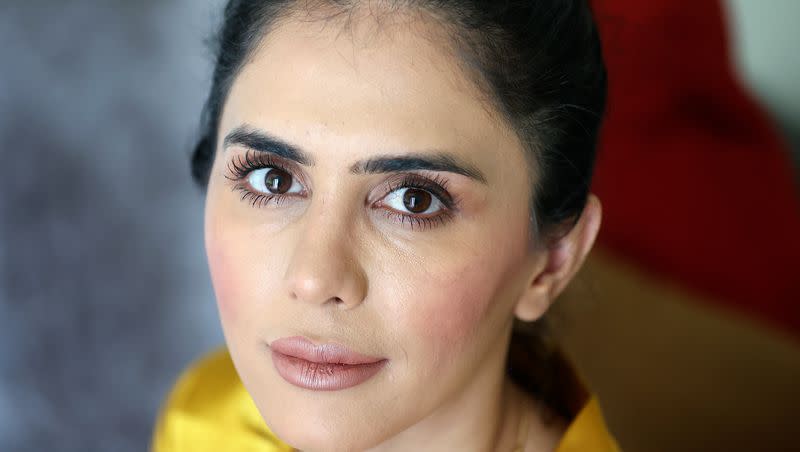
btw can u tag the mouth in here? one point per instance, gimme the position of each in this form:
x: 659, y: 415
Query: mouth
x: 322, y: 367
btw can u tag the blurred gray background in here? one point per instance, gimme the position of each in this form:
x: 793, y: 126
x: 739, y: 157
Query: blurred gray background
x: 104, y: 292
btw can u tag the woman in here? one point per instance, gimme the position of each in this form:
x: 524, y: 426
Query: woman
x: 389, y: 186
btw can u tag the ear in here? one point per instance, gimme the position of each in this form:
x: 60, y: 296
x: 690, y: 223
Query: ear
x: 555, y: 266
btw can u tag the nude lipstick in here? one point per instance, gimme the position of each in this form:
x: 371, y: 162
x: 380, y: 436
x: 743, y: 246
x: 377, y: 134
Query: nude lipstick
x: 323, y: 367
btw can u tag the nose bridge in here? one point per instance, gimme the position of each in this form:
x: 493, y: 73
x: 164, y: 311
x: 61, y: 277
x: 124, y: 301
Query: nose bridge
x: 324, y: 267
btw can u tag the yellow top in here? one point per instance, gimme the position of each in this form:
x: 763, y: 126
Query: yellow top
x: 209, y: 410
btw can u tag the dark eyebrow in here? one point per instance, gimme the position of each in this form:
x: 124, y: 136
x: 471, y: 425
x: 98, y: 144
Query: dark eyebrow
x: 261, y: 141
x: 435, y: 162
x: 264, y: 142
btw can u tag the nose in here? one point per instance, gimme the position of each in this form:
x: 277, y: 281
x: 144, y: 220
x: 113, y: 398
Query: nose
x: 324, y: 268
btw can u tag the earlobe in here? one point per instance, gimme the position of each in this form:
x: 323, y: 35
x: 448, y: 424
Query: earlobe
x: 562, y: 260
x: 533, y: 303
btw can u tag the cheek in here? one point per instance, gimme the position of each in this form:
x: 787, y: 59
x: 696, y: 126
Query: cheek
x: 244, y: 261
x: 449, y: 312
x: 223, y: 279
x: 457, y: 308
x: 225, y: 241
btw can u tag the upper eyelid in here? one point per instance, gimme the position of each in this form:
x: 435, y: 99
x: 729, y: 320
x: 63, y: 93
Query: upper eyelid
x: 437, y: 186
x: 252, y: 160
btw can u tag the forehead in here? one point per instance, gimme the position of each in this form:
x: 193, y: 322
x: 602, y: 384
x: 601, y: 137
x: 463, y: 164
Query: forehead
x: 387, y: 83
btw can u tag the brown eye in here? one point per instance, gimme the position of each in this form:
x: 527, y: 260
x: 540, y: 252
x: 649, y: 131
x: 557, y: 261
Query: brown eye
x: 416, y: 200
x: 413, y: 201
x: 273, y: 181
x: 278, y: 181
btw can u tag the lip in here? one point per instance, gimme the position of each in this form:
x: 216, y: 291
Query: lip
x: 322, y: 367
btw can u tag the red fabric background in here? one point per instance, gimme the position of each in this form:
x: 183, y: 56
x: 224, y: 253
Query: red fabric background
x: 696, y: 183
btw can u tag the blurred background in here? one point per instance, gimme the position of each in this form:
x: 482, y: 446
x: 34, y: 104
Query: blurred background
x: 104, y: 292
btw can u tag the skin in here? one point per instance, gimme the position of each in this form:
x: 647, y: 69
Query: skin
x: 334, y: 263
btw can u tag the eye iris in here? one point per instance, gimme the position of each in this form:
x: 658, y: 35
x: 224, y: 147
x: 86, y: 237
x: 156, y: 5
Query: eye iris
x: 278, y: 181
x: 416, y: 200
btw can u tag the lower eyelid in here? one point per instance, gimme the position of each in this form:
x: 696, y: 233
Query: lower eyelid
x: 417, y: 221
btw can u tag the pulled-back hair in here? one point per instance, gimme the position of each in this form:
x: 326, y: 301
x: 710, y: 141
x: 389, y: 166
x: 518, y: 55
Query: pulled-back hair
x: 540, y: 65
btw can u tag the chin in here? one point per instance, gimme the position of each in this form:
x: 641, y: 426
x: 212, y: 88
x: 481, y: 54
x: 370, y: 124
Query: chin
x: 315, y: 437
x: 328, y: 431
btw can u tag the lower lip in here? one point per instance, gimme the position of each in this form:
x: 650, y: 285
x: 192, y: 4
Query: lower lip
x: 323, y: 376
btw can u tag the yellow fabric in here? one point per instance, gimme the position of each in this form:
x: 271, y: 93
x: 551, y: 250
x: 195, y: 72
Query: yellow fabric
x: 588, y: 432
x: 209, y: 410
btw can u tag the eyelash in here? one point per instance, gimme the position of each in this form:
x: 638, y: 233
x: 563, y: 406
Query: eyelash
x: 240, y: 167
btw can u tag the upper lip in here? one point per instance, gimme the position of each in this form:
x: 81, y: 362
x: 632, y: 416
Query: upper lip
x: 326, y: 353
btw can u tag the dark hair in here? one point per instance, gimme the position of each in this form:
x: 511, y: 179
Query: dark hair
x: 541, y: 66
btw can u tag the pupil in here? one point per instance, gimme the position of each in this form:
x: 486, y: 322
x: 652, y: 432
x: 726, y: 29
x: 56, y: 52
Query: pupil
x: 278, y: 181
x: 416, y: 200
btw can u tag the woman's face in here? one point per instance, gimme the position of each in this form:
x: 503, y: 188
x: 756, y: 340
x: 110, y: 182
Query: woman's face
x: 362, y: 194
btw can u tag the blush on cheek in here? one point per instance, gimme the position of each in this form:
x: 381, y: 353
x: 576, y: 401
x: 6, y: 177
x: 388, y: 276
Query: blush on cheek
x: 450, y: 318
x: 223, y: 280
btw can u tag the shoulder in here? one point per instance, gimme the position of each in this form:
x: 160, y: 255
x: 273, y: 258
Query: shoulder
x: 208, y: 409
